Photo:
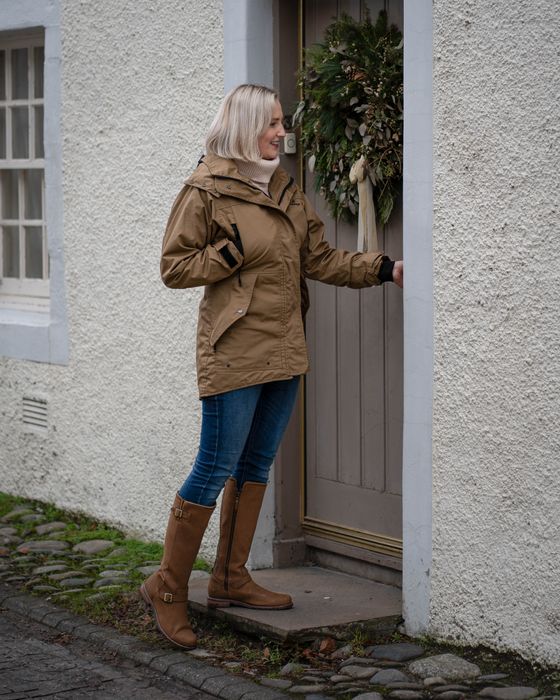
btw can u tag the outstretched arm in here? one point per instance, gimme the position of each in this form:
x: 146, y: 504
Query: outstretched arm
x: 340, y: 267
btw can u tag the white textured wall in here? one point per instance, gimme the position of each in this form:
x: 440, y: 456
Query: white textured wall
x: 141, y: 82
x: 496, y: 468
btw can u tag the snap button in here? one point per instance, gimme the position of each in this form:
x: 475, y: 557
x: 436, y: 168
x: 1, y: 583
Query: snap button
x: 239, y: 311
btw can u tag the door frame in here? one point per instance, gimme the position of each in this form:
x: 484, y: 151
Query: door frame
x: 250, y: 49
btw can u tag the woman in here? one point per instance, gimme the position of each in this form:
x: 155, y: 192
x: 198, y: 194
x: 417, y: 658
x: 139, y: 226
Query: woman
x: 242, y: 228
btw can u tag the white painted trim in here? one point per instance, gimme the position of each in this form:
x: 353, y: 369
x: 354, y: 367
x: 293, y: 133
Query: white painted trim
x: 418, y: 316
x: 248, y: 58
x: 28, y: 335
x: 248, y: 42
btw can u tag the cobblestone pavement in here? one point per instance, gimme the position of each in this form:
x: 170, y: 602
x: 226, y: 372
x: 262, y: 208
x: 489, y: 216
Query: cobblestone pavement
x: 39, y: 662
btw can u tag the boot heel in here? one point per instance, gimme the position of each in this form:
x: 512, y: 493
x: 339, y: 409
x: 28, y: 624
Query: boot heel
x: 217, y: 603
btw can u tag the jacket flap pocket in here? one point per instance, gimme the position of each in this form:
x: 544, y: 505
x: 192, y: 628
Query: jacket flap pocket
x: 236, y: 308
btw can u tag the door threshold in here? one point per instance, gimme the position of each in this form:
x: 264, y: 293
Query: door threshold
x: 325, y: 603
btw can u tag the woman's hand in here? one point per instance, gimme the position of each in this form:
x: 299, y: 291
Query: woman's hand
x: 398, y: 273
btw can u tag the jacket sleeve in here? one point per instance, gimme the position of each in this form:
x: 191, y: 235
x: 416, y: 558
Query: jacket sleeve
x: 190, y: 256
x: 333, y: 265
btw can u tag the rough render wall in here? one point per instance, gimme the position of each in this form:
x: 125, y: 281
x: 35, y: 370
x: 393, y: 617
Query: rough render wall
x: 496, y: 537
x: 141, y: 82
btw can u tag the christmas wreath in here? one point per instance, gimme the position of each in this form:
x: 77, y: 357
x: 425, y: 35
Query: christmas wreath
x: 352, y: 85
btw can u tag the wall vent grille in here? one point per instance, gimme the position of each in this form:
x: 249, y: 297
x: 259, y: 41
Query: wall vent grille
x: 35, y: 413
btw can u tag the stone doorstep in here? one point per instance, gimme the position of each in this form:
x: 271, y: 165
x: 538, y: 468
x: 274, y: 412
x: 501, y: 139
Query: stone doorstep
x: 325, y: 603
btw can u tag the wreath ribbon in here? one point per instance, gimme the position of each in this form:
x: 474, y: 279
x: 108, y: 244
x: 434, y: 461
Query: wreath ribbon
x: 367, y: 228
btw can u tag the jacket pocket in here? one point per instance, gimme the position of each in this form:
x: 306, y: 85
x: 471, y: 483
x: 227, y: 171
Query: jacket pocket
x: 236, y: 308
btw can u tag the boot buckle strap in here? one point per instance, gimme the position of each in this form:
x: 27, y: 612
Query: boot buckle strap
x: 178, y: 597
x: 178, y: 512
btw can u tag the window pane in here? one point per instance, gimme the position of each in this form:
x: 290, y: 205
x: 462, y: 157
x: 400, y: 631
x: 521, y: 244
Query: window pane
x: 39, y: 60
x: 2, y: 75
x: 2, y: 132
x: 39, y: 146
x: 34, y: 252
x: 32, y: 185
x: 20, y: 132
x: 9, y: 183
x: 10, y: 243
x: 20, y: 85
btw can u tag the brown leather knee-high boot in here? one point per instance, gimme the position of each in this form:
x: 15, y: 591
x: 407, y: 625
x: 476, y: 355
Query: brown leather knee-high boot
x: 230, y: 583
x: 166, y: 590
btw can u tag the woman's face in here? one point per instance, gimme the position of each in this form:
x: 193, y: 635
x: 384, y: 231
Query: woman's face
x: 269, y: 140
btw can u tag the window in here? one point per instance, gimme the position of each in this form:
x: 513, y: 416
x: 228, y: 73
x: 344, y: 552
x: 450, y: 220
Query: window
x: 33, y: 317
x: 24, y: 263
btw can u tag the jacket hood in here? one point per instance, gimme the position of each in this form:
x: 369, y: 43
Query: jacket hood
x: 213, y: 171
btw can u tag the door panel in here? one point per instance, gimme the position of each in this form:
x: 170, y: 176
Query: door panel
x: 354, y: 388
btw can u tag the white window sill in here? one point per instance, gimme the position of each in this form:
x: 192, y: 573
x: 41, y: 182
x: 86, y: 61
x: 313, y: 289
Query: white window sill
x: 33, y: 335
x: 17, y: 317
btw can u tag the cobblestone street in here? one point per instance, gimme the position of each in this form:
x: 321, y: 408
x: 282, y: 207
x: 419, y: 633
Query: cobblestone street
x: 39, y: 662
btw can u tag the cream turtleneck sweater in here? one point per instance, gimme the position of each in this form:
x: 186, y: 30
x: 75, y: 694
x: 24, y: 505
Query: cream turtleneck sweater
x: 259, y: 172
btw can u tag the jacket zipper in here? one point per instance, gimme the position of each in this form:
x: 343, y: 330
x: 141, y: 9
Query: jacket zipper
x: 230, y: 542
x: 284, y: 190
x: 239, y: 245
x: 238, y: 241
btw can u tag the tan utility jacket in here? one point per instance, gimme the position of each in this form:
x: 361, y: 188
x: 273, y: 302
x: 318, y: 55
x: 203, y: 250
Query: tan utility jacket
x: 251, y: 251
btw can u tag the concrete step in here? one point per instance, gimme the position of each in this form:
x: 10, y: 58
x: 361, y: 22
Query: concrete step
x: 325, y: 603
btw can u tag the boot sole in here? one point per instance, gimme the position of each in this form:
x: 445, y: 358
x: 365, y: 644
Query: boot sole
x: 225, y: 603
x: 150, y: 605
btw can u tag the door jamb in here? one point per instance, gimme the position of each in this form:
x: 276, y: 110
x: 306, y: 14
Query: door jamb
x: 418, y: 315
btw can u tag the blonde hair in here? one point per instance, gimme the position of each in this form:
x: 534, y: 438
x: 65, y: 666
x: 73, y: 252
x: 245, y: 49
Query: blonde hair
x: 244, y: 114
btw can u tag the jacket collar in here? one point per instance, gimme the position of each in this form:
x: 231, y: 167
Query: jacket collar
x: 221, y: 176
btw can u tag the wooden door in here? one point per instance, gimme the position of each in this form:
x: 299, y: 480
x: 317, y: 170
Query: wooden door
x: 353, y: 393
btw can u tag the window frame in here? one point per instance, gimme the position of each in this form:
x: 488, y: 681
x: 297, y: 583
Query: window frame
x: 23, y: 292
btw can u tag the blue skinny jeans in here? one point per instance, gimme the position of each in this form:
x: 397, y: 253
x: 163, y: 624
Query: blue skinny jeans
x: 241, y: 432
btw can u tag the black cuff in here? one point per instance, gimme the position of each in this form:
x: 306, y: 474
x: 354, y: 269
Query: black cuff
x: 385, y: 273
